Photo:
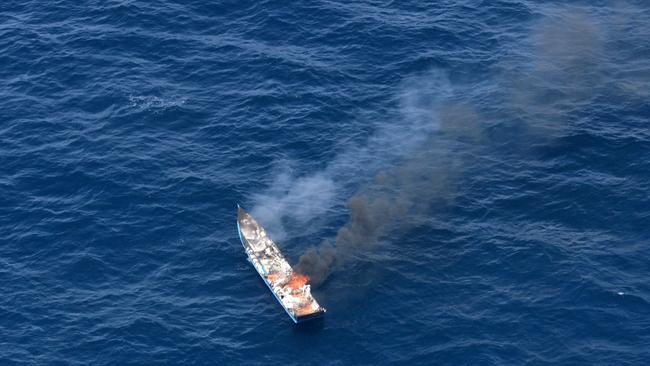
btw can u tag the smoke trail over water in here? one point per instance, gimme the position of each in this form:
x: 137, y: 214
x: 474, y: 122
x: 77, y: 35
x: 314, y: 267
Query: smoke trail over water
x: 418, y: 159
x: 420, y: 180
x: 300, y: 199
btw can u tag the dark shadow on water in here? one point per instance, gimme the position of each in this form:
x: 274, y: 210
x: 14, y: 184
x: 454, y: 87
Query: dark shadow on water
x: 311, y: 327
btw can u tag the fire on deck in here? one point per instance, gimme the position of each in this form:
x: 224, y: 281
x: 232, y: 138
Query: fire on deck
x: 290, y: 288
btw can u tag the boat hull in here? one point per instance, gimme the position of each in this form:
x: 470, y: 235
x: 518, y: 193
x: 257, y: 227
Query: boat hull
x: 275, y: 265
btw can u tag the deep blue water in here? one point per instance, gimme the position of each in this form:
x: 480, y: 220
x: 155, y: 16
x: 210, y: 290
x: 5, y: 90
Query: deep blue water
x: 515, y: 131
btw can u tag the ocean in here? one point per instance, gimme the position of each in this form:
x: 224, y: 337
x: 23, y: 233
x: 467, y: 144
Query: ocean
x: 466, y: 182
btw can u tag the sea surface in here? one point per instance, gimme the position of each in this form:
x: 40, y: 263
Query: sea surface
x: 501, y: 150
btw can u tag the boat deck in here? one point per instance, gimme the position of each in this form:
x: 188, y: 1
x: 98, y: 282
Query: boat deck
x: 291, y: 289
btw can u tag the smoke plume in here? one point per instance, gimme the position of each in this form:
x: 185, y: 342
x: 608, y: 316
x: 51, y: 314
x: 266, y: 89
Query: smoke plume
x: 298, y: 200
x: 418, y: 158
x: 421, y: 177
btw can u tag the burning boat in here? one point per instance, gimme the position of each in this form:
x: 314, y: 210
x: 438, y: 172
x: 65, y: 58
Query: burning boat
x: 291, y: 289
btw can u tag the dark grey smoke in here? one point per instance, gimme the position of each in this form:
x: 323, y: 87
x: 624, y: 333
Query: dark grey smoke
x: 301, y: 199
x: 396, y: 195
x: 418, y: 160
x: 564, y: 69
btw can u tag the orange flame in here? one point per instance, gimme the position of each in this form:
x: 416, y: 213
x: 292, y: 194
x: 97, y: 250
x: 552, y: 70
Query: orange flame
x: 306, y: 309
x: 297, y: 280
x: 272, y: 277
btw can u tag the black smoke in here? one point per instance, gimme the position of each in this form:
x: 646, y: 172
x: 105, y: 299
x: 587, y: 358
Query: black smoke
x: 419, y: 159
